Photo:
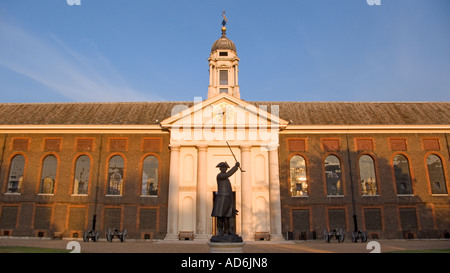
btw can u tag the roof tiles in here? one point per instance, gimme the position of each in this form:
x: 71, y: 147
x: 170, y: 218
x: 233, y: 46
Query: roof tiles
x: 299, y: 113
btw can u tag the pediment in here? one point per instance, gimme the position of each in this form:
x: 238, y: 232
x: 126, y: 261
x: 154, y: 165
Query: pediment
x: 226, y: 111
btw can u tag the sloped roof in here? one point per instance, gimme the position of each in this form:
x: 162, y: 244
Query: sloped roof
x: 298, y: 113
x: 95, y: 113
x: 363, y: 113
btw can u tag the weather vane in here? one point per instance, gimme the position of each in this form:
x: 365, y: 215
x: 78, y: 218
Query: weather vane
x: 225, y: 20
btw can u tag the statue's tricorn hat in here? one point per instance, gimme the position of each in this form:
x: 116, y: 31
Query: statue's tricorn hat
x: 222, y: 164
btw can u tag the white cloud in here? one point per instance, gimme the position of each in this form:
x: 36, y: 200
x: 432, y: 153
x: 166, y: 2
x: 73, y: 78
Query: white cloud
x: 49, y: 61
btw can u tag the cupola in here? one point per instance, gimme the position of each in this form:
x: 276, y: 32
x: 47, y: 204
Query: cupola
x: 223, y: 66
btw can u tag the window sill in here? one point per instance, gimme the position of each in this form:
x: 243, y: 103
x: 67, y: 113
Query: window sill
x: 113, y: 195
x: 13, y: 193
x: 404, y: 195
x: 46, y: 194
x: 300, y: 196
x: 147, y: 196
x: 75, y: 194
x: 367, y: 195
x: 335, y: 196
x: 439, y: 194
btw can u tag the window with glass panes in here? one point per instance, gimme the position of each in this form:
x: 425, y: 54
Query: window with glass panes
x: 81, y: 177
x: 333, y: 175
x: 436, y: 175
x: 115, y: 175
x: 150, y: 171
x: 48, y: 176
x: 402, y: 174
x: 367, y: 175
x: 299, y: 183
x: 15, y: 178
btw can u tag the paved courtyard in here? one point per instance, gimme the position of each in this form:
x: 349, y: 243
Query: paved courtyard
x: 147, y: 246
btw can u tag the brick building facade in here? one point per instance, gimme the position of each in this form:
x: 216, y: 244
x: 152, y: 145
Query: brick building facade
x: 385, y: 212
x: 29, y: 211
x: 149, y: 167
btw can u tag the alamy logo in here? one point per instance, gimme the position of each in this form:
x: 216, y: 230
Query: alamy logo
x: 73, y: 2
x: 374, y: 2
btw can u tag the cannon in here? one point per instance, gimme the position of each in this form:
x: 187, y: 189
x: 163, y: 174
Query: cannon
x: 116, y: 232
x: 359, y: 235
x: 339, y: 234
x: 91, y: 235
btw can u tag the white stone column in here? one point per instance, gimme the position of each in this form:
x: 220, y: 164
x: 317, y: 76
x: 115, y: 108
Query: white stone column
x: 202, y: 215
x: 246, y: 194
x: 210, y: 74
x: 274, y: 194
x: 174, y: 181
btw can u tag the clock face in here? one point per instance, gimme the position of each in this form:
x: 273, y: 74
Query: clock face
x: 223, y: 113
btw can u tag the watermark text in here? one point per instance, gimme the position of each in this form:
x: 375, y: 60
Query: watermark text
x: 373, y: 2
x: 73, y: 2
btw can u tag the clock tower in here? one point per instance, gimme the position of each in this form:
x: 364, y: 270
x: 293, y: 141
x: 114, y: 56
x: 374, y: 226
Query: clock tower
x: 223, y: 66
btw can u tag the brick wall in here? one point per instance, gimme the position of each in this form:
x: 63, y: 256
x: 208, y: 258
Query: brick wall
x: 386, y: 214
x: 28, y: 213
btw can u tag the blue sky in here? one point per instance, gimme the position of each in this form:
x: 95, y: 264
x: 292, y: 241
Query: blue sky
x: 155, y: 50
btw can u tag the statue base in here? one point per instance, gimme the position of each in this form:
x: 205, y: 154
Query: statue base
x: 227, y: 238
x: 226, y: 247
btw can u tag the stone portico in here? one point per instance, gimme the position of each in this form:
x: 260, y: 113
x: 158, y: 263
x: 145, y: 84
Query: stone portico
x: 198, y: 142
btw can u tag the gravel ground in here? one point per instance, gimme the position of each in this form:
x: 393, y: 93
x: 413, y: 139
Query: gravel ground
x: 147, y: 246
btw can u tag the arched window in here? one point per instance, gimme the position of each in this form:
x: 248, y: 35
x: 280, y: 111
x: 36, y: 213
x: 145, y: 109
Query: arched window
x: 402, y: 175
x: 333, y: 175
x: 15, y: 178
x: 81, y: 177
x: 150, y: 176
x: 367, y: 175
x: 48, y: 176
x: 436, y: 175
x: 299, y: 183
x: 115, y: 175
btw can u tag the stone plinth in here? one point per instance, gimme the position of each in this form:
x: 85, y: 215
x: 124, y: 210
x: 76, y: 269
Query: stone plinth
x: 226, y: 247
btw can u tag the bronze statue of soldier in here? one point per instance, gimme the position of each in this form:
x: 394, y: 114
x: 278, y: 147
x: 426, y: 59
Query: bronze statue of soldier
x: 224, y: 206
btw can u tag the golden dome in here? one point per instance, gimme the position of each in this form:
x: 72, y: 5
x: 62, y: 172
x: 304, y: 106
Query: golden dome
x: 223, y: 43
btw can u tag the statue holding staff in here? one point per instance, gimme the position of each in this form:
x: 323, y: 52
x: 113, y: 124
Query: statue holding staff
x: 224, y: 205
